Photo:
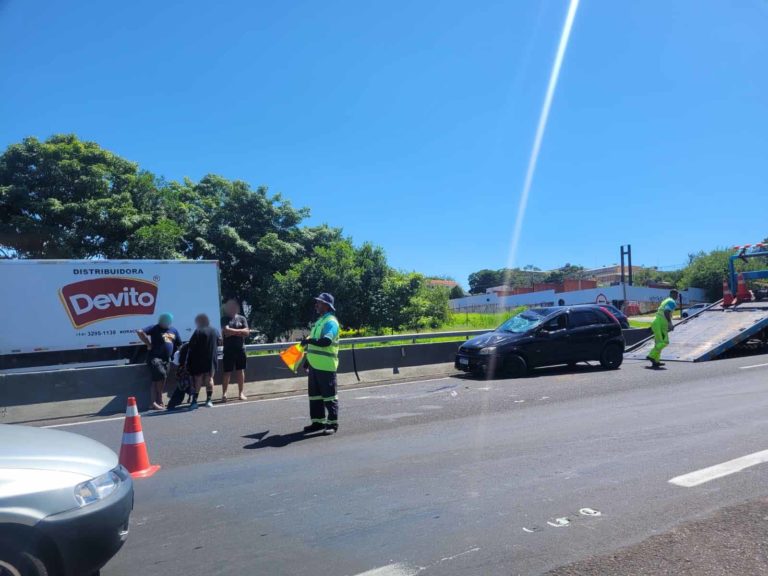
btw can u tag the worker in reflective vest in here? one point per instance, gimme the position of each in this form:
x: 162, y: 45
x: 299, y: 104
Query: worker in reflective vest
x: 661, y: 327
x: 322, y: 349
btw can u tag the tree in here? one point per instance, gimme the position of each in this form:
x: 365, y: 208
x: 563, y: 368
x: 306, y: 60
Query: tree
x: 707, y: 270
x: 64, y: 198
x: 456, y: 292
x: 355, y: 276
x: 567, y: 272
x: 392, y: 306
x: 481, y: 280
x: 428, y: 308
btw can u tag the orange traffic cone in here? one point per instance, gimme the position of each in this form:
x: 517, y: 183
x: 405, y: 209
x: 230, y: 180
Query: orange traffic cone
x: 742, y: 294
x: 133, y: 451
x: 727, y: 294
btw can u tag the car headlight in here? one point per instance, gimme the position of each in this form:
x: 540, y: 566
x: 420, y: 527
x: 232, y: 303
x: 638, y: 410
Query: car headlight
x: 97, y: 489
x: 488, y: 350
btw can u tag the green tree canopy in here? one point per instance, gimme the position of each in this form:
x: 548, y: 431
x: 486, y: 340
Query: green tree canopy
x: 64, y: 198
x: 456, y: 292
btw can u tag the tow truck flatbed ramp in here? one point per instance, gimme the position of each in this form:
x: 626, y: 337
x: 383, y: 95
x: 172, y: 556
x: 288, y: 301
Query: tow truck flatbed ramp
x: 708, y: 334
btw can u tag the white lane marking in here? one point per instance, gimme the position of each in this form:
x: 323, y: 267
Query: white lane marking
x: 753, y: 366
x: 719, y: 470
x: 85, y: 422
x: 395, y: 415
x: 448, y: 558
x: 244, y: 402
x: 420, y: 381
x: 391, y: 570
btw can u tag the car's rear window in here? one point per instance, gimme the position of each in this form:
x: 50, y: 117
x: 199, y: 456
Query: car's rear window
x: 585, y: 318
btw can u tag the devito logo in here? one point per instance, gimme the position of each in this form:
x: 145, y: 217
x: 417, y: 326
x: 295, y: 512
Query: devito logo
x: 99, y: 299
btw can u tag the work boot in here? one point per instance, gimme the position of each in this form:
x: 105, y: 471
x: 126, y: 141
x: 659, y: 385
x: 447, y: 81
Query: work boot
x: 654, y: 363
x: 331, y: 429
x: 314, y: 427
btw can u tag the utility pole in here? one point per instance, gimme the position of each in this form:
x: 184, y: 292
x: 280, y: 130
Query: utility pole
x: 626, y: 251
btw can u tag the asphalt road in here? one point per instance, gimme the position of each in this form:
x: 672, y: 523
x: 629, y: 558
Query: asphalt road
x: 452, y: 477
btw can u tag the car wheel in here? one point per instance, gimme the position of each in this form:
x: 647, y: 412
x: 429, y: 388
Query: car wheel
x: 16, y: 561
x: 612, y: 357
x: 515, y: 366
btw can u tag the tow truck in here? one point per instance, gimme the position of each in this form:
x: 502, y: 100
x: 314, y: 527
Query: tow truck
x: 740, y: 318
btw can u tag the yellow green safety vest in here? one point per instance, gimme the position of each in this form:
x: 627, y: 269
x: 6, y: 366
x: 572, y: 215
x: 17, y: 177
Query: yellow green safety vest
x: 324, y: 358
x: 663, y: 307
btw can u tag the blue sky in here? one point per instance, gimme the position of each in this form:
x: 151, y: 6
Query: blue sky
x: 409, y: 124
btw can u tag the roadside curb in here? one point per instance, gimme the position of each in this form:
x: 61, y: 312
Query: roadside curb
x: 105, y: 406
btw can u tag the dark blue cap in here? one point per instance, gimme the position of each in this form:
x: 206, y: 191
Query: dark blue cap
x: 326, y: 298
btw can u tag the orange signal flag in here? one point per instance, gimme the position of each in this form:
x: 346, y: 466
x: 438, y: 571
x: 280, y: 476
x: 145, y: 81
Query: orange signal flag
x: 293, y: 357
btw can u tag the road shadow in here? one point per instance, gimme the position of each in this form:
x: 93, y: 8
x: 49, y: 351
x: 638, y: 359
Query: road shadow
x: 262, y: 440
x: 174, y: 412
x: 578, y: 368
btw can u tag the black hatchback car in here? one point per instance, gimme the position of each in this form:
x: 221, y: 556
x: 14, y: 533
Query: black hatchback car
x: 545, y: 337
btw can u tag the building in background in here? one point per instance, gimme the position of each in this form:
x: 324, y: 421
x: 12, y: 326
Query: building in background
x: 434, y: 282
x: 639, y: 299
x: 611, y: 275
x: 564, y: 286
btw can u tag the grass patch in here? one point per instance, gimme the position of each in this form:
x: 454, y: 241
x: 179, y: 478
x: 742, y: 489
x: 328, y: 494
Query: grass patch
x: 477, y: 321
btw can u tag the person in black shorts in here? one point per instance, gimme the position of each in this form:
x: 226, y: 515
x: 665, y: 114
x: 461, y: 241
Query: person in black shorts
x: 162, y: 341
x: 234, y: 329
x: 201, y: 359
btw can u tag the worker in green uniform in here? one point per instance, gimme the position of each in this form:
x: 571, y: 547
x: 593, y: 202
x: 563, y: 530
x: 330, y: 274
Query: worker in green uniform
x: 322, y: 349
x: 661, y: 327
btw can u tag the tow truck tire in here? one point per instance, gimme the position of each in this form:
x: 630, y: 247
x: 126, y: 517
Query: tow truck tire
x: 611, y: 358
x: 15, y: 561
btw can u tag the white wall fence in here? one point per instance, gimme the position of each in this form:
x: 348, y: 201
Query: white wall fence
x: 647, y: 298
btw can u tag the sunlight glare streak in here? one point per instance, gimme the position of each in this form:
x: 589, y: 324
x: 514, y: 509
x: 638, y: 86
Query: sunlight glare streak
x: 543, y: 117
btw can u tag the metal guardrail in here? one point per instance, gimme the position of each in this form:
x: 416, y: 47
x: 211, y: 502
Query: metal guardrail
x: 277, y: 346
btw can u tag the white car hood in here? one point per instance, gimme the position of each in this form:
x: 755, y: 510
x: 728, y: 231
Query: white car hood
x: 29, y: 448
